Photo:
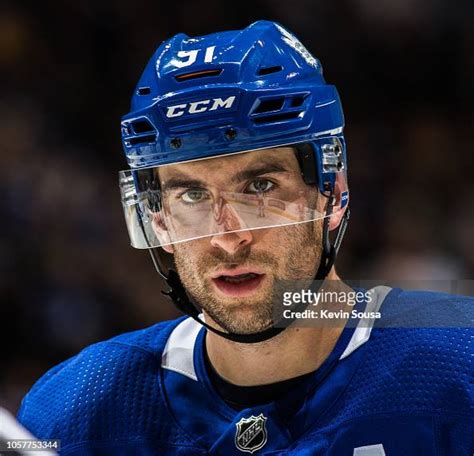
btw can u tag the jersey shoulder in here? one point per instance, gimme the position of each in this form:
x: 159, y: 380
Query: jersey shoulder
x: 418, y: 358
x: 109, y: 390
x: 426, y: 309
x: 428, y: 328
x: 426, y: 341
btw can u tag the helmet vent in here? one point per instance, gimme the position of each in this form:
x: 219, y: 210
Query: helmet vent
x: 138, y: 131
x: 281, y: 117
x: 198, y: 74
x: 142, y: 139
x: 143, y: 91
x: 297, y: 101
x: 142, y: 126
x: 269, y: 105
x: 279, y: 109
x: 269, y: 70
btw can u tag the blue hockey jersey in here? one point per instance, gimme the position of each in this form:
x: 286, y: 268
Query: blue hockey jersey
x: 383, y: 390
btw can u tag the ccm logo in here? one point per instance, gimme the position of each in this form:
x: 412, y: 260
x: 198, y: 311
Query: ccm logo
x: 197, y: 107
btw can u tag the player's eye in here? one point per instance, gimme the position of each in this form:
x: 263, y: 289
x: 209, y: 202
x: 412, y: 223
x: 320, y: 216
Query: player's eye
x: 260, y: 186
x: 194, y: 196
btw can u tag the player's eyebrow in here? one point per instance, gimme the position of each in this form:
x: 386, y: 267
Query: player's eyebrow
x: 260, y: 170
x: 181, y: 182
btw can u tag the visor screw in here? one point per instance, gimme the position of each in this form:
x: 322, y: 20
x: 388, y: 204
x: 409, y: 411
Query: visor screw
x: 230, y: 134
x: 175, y: 143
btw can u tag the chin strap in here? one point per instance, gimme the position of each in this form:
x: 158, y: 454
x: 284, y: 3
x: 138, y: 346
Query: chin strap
x: 181, y: 300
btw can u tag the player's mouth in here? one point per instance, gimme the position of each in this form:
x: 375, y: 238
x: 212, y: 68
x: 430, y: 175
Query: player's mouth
x: 238, y: 282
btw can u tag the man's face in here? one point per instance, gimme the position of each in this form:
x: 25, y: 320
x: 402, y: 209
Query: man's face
x: 233, y: 276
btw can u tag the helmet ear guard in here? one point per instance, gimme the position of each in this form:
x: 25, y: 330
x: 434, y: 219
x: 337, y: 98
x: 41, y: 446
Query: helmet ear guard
x: 305, y: 155
x: 321, y: 161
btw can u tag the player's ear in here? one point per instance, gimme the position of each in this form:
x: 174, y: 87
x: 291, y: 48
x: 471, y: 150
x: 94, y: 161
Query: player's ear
x: 168, y: 248
x: 161, y: 231
x: 341, y: 204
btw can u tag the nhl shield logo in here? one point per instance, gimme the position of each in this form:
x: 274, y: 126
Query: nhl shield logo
x: 251, y: 434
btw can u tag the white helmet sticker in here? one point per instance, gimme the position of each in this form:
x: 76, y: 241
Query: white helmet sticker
x: 293, y: 42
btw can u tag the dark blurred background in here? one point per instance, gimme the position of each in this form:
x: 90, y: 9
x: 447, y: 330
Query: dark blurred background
x: 68, y: 277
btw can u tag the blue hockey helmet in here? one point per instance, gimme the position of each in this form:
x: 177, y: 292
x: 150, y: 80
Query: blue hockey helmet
x: 228, y: 92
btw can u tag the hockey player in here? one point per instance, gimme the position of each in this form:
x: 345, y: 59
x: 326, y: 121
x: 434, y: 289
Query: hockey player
x: 237, y: 187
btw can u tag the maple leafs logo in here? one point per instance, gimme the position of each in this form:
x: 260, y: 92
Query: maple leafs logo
x: 293, y: 42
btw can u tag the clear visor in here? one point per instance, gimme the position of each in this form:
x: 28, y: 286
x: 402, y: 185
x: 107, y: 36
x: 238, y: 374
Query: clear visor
x: 181, y: 202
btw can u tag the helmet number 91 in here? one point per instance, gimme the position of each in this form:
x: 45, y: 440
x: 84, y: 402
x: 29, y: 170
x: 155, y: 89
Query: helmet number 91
x: 191, y: 57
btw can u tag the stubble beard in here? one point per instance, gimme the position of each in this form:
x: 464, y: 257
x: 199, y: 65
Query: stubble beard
x: 297, y: 262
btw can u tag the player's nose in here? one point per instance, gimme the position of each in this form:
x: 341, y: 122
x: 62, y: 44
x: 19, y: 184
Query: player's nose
x: 232, y: 242
x: 231, y: 234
